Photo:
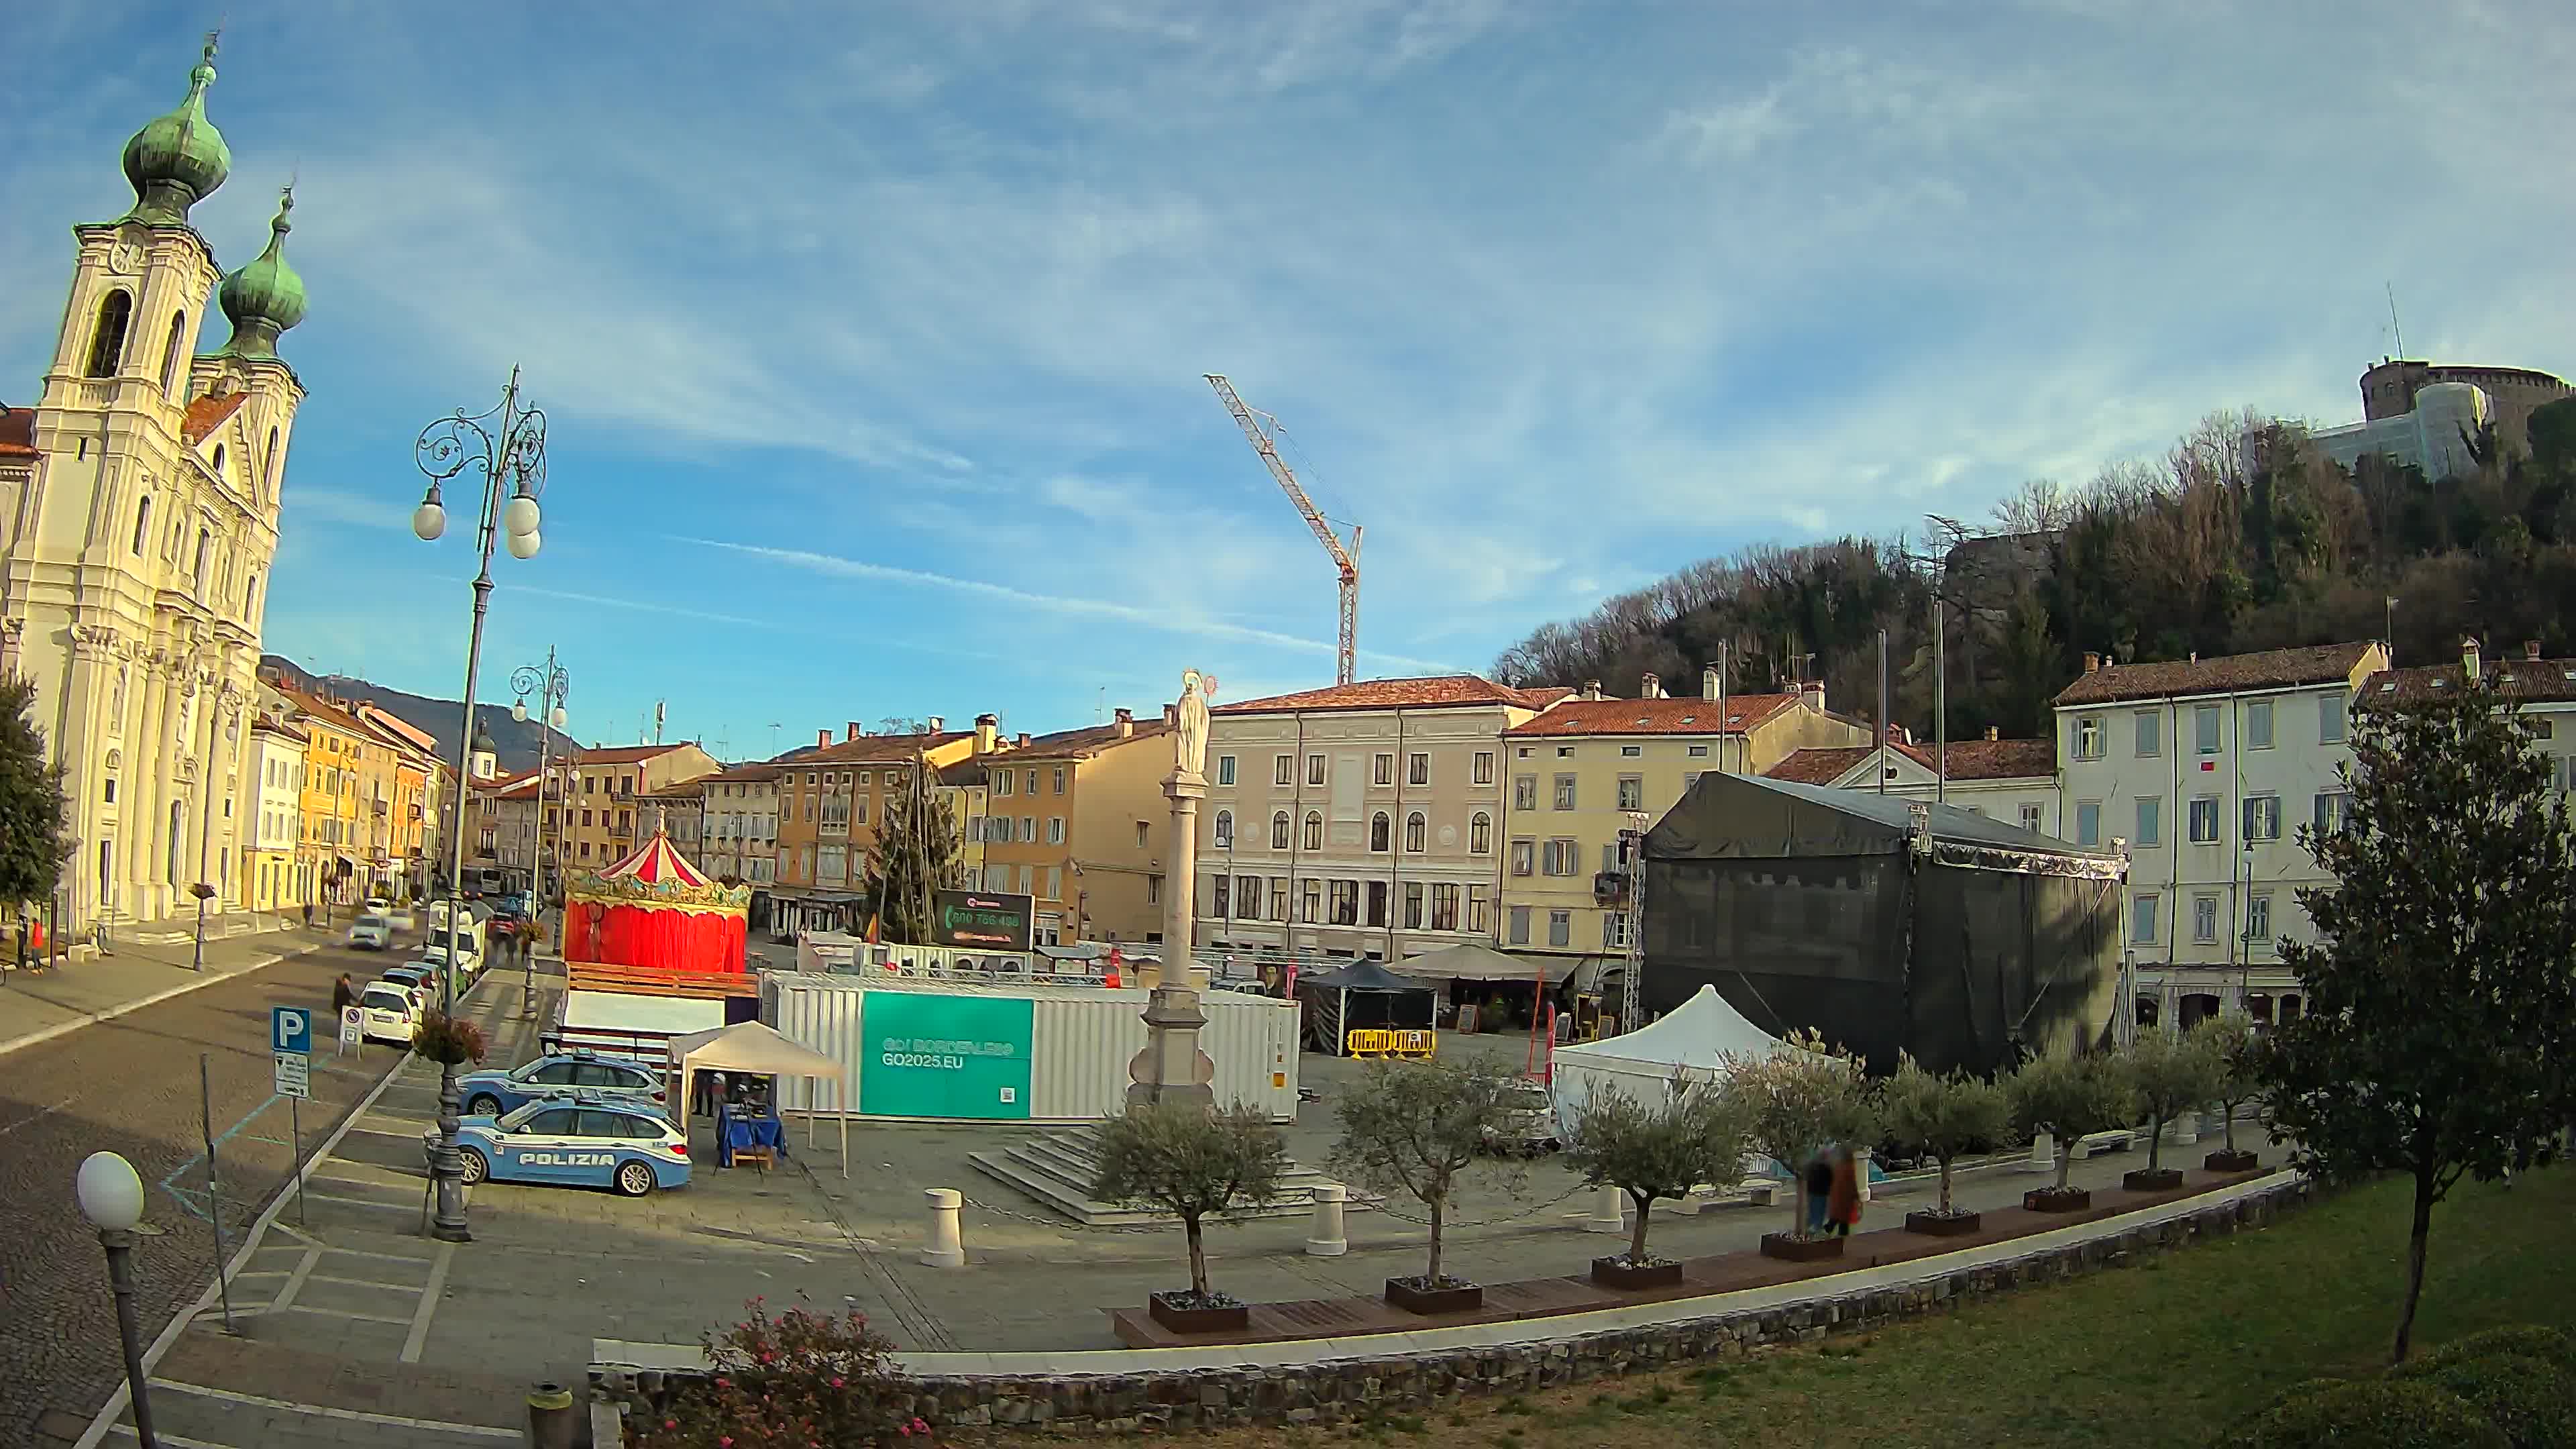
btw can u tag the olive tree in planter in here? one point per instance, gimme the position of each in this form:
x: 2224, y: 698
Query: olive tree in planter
x: 2238, y: 1057
x: 2069, y: 1098
x: 1195, y: 1165
x: 2170, y: 1074
x: 1699, y: 1133
x: 1414, y: 1127
x: 1943, y: 1117
x: 1803, y: 1096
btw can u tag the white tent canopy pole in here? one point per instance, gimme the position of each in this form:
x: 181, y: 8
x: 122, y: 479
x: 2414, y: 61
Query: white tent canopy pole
x: 755, y: 1049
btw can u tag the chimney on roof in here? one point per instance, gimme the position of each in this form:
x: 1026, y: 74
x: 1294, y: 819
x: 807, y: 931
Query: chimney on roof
x: 988, y: 733
x: 851, y: 731
x: 2531, y: 649
x: 1023, y: 741
x: 1171, y: 715
x: 938, y: 724
x: 2092, y: 662
x: 1127, y: 720
x: 1592, y: 689
x: 1990, y: 732
x: 822, y: 738
x: 1651, y: 687
x: 1813, y: 693
x: 2469, y: 658
x: 1708, y: 682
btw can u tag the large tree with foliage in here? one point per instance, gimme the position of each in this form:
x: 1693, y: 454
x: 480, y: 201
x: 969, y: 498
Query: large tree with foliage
x: 1416, y: 1127
x: 1698, y: 1132
x: 1193, y: 1164
x: 2441, y: 1020
x: 33, y: 844
x: 915, y: 852
x: 2071, y: 1097
x: 2171, y: 1073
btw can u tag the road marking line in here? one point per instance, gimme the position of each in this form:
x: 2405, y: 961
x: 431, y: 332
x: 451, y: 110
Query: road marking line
x: 400, y: 1207
x: 365, y: 1283
x: 33, y: 1118
x: 327, y: 1411
x: 386, y: 1257
x: 175, y: 1441
x: 429, y: 1292
x: 344, y: 1313
x: 295, y: 1281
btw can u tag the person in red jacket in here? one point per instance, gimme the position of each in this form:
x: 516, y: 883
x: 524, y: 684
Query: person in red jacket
x: 1842, y: 1206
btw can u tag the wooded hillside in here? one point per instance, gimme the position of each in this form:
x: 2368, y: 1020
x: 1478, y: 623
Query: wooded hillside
x: 2245, y: 536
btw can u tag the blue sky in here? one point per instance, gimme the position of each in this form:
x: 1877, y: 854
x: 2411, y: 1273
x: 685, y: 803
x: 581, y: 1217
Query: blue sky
x: 872, y: 336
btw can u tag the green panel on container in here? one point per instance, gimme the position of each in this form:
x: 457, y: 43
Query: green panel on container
x: 945, y: 1056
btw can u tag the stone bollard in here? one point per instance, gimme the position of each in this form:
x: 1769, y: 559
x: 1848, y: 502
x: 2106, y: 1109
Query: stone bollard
x: 2186, y: 1129
x: 1609, y: 1211
x: 945, y: 1249
x: 2043, y: 1154
x: 551, y: 1421
x: 1860, y: 1170
x: 1324, y: 1237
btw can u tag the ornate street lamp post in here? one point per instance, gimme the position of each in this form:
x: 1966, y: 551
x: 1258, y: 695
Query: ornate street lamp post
x: 550, y: 685
x: 508, y: 446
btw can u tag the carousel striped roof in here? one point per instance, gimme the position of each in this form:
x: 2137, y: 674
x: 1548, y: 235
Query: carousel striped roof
x: 656, y: 862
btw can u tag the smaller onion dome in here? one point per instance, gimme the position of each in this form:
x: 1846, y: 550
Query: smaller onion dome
x: 266, y: 297
x: 177, y: 161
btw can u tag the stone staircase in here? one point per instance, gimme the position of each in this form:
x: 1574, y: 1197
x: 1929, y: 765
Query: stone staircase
x: 1057, y: 1169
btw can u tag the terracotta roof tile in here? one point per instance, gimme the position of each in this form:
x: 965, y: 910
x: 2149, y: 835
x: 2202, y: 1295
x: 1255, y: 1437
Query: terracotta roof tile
x: 1690, y: 715
x: 2536, y: 681
x: 1443, y: 691
x: 627, y: 754
x: 2270, y: 669
x: 207, y: 414
x: 868, y: 749
x: 18, y: 433
x: 1820, y: 766
x: 1089, y: 740
x: 747, y: 774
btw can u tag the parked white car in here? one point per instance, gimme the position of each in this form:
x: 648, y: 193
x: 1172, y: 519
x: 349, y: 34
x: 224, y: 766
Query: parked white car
x: 386, y: 1013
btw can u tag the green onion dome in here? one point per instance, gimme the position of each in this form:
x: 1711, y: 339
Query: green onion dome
x: 266, y: 297
x: 177, y: 161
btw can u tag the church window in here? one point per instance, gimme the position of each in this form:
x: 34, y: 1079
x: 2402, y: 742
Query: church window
x: 268, y: 466
x: 142, y: 523
x: 107, y: 343
x: 205, y: 540
x: 170, y: 354
x: 250, y: 597
x: 219, y: 460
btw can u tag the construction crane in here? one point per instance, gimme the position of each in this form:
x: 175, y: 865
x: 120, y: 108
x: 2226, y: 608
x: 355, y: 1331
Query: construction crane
x: 1344, y: 559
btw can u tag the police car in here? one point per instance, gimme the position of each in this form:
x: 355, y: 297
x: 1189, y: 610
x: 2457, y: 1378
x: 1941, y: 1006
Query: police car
x: 491, y: 1093
x: 590, y: 1139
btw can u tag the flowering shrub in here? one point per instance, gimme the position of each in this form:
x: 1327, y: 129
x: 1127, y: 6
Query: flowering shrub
x: 449, y: 1039
x: 796, y: 1380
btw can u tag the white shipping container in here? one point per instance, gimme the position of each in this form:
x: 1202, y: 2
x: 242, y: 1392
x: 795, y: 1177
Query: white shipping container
x: 1082, y: 1040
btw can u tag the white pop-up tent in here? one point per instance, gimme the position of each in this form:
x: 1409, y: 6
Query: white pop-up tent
x: 754, y: 1049
x: 1693, y: 1041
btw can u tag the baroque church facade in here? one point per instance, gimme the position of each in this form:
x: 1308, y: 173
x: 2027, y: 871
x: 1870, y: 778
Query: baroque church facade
x: 142, y: 529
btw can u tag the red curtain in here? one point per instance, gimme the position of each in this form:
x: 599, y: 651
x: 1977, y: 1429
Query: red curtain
x: 661, y: 938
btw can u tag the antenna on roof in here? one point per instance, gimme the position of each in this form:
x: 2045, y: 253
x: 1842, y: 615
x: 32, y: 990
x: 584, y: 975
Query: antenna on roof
x: 2397, y: 331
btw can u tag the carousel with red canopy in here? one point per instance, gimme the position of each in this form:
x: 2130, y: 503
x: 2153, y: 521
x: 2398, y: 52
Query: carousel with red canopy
x: 655, y: 911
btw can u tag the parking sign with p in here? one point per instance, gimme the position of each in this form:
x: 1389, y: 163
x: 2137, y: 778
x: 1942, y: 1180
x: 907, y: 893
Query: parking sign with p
x: 290, y: 1029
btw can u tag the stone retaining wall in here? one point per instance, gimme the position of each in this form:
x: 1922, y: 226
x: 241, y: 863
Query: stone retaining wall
x: 1343, y: 1389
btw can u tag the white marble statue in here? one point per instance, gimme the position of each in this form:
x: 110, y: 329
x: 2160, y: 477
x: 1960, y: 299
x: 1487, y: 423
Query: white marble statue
x: 1189, y: 742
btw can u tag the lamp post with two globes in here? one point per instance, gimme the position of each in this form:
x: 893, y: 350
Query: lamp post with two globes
x: 508, y: 446
x: 111, y: 1197
x: 550, y: 685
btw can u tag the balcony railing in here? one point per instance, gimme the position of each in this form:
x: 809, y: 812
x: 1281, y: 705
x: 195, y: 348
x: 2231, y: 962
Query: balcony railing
x: 621, y: 832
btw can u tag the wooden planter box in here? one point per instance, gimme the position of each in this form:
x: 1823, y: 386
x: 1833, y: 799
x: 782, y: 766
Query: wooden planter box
x: 1403, y: 1293
x: 1935, y: 1225
x: 2050, y: 1200
x: 2239, y: 1160
x: 2152, y: 1179
x: 1800, y: 1250
x: 1612, y: 1273
x: 1231, y: 1318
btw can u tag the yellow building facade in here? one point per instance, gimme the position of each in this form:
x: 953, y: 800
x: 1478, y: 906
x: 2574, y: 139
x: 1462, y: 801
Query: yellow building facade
x: 1577, y: 773
x: 1078, y: 820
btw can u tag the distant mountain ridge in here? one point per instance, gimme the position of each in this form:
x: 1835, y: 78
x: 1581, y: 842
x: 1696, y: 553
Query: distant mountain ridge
x: 514, y: 744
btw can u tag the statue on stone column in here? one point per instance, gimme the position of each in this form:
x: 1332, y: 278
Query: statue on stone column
x: 1189, y: 742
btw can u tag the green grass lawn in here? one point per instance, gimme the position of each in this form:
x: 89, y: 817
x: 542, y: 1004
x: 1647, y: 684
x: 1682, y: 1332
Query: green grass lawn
x: 2165, y: 1353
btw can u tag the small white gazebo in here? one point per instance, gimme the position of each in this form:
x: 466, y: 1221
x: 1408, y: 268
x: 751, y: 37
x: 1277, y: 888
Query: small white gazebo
x: 755, y: 1049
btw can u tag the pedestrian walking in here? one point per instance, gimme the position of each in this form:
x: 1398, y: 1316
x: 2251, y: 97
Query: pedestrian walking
x: 308, y: 915
x: 343, y: 995
x: 1820, y: 1187
x: 1843, y: 1201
